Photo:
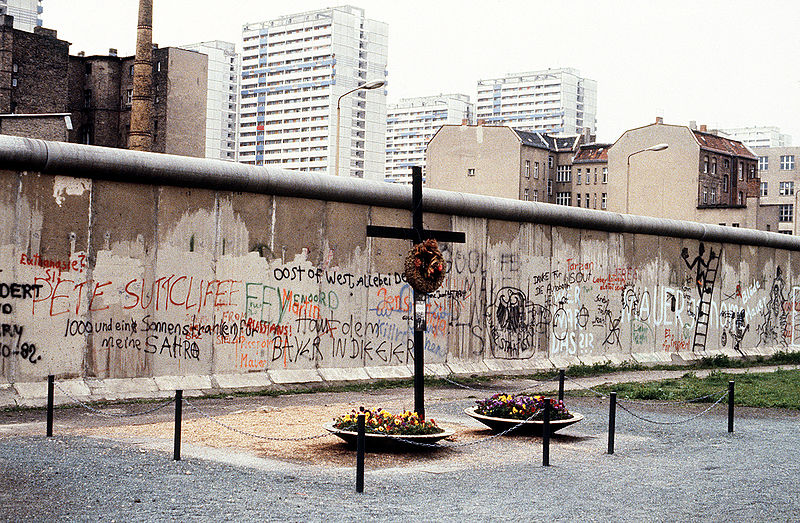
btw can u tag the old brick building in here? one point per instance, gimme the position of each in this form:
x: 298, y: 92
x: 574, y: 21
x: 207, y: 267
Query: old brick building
x: 33, y: 70
x: 38, y: 76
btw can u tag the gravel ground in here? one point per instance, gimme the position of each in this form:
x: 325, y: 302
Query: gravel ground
x: 695, y: 471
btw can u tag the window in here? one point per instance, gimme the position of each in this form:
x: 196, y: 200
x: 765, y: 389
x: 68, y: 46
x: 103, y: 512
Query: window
x: 578, y: 178
x: 88, y: 68
x: 786, y: 188
x: 578, y: 200
x: 470, y: 172
x: 550, y: 162
x: 536, y: 170
x: 129, y: 97
x: 605, y: 174
x: 564, y: 173
x: 536, y: 195
x: 705, y: 164
x: 87, y: 98
x: 705, y: 195
x: 736, y: 225
x: 527, y: 169
x: 741, y: 171
x: 549, y: 187
x: 595, y: 201
x: 525, y: 195
x: 713, y: 166
x: 603, y: 201
x: 595, y: 177
x: 763, y: 163
x: 563, y: 198
x: 587, y: 200
x: 725, y: 183
x: 713, y: 195
x: 764, y: 189
x: 752, y: 172
x: 13, y: 82
x: 787, y: 162
x: 786, y: 213
x: 740, y: 201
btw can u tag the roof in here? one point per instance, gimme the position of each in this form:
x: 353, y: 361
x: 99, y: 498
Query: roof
x: 592, y: 153
x: 723, y: 145
x: 545, y: 141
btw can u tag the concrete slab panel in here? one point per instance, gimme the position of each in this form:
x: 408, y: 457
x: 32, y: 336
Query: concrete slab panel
x: 287, y: 376
x: 467, y: 368
x: 122, y: 387
x: 500, y: 366
x: 651, y: 358
x: 389, y: 372
x: 248, y: 381
x: 342, y: 374
x: 173, y: 383
x: 437, y: 369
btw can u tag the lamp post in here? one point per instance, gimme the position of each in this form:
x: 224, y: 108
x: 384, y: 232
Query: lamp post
x: 375, y: 84
x: 657, y: 147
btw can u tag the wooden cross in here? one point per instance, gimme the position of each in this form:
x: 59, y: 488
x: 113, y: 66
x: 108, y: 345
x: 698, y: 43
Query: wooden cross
x: 417, y: 233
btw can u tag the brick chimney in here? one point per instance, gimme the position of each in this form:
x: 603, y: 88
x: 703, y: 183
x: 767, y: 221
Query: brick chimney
x: 141, y: 135
x: 659, y: 120
x: 703, y: 128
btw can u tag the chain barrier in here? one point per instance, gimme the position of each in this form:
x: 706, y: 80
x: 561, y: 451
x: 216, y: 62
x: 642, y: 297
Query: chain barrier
x: 464, y: 444
x: 106, y: 414
x: 642, y: 418
x: 598, y: 394
x: 250, y: 434
x: 673, y: 402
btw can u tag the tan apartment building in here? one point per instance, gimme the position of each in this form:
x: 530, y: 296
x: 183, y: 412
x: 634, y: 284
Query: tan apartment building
x: 674, y: 171
x: 503, y: 162
x: 590, y: 185
x: 779, y: 174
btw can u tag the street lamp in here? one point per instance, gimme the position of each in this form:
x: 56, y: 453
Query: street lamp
x: 375, y: 84
x: 657, y: 147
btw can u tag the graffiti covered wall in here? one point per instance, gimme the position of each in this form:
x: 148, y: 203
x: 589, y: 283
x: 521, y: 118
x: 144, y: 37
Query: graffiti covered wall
x: 103, y: 279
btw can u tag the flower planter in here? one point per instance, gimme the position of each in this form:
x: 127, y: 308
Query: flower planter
x: 533, y: 427
x: 374, y: 440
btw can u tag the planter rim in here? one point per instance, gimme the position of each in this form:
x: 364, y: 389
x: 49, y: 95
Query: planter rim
x: 393, y: 437
x: 576, y: 417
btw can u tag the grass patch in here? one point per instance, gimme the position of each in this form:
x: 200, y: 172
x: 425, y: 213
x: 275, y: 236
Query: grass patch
x: 779, y: 389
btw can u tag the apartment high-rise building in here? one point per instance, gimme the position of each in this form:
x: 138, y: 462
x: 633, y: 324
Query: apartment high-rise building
x: 557, y: 101
x: 779, y: 174
x: 412, y: 122
x: 759, y: 136
x: 27, y: 13
x: 223, y: 94
x: 295, y: 70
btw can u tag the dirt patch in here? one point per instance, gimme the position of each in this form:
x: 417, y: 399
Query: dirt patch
x: 240, y: 430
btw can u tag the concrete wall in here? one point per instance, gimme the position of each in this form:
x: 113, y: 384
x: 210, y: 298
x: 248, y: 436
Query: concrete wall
x: 211, y: 275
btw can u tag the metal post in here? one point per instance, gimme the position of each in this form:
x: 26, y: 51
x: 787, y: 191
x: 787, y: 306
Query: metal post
x: 546, y: 435
x: 176, y: 455
x: 612, y: 420
x: 419, y: 358
x: 360, y: 444
x: 561, y: 384
x: 730, y: 406
x: 50, y: 402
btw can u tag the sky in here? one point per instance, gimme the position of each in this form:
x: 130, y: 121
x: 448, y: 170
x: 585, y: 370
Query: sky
x: 723, y: 63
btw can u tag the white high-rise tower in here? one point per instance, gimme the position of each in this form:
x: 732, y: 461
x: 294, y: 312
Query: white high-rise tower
x: 294, y: 71
x: 557, y: 101
x: 27, y: 13
x: 410, y: 125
